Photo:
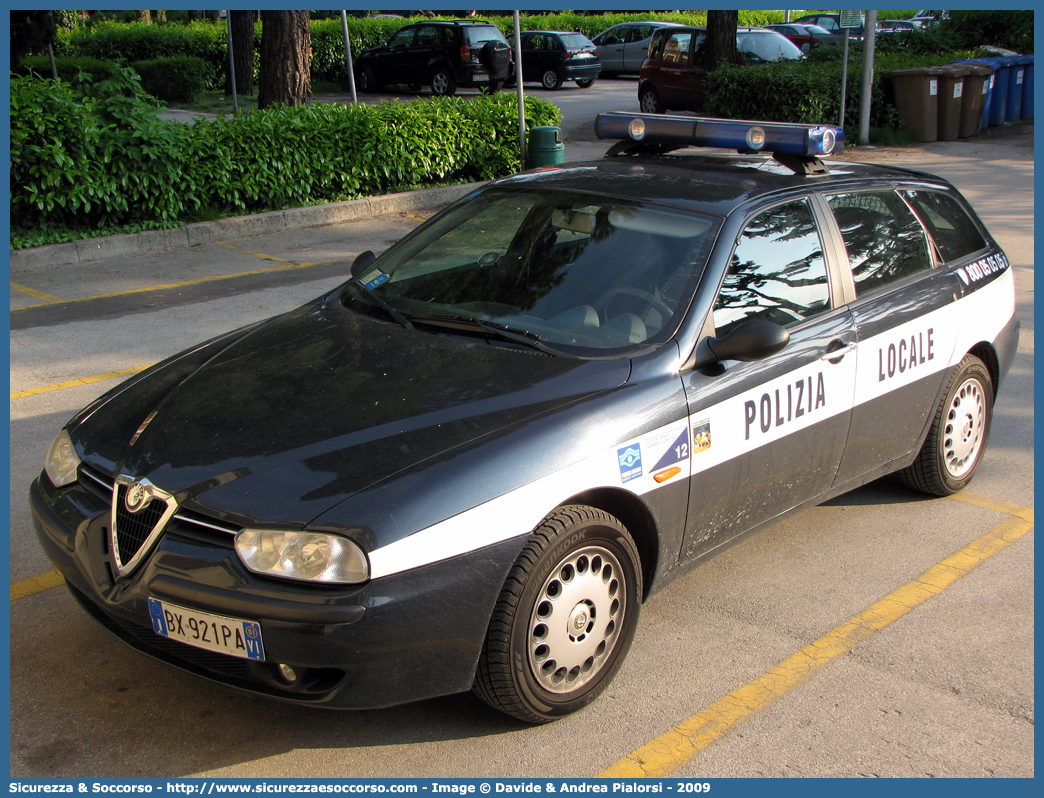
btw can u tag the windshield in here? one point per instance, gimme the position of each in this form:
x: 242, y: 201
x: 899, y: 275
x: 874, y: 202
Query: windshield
x: 591, y: 276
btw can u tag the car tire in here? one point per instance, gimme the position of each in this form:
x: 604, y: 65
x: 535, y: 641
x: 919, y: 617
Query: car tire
x: 649, y: 101
x: 960, y: 430
x: 366, y: 80
x: 442, y: 82
x: 565, y: 617
x: 584, y: 83
x: 550, y: 80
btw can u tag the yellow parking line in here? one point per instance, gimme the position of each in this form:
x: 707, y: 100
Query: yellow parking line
x: 36, y: 584
x: 261, y: 255
x: 167, y: 286
x: 674, y: 748
x: 59, y: 386
x: 24, y: 289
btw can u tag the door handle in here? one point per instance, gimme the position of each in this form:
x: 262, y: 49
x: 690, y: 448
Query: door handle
x: 835, y: 355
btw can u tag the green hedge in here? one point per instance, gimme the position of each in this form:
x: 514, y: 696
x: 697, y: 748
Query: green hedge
x: 68, y: 68
x: 96, y: 154
x: 810, y: 90
x: 136, y: 41
x: 179, y: 78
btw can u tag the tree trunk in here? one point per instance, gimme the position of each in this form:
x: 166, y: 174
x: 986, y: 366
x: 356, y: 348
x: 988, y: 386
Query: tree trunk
x: 145, y: 16
x: 721, y: 38
x: 161, y: 16
x: 31, y: 31
x: 286, y: 49
x: 242, y: 23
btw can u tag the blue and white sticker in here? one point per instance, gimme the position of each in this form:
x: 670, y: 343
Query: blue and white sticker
x: 374, y: 279
x: 676, y: 452
x: 630, y: 458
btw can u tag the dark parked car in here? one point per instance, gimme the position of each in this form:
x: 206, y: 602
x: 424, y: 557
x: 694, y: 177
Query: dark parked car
x: 552, y: 57
x: 832, y: 23
x: 469, y: 465
x: 674, y: 75
x: 805, y: 37
x: 623, y: 47
x: 896, y: 25
x: 443, y: 55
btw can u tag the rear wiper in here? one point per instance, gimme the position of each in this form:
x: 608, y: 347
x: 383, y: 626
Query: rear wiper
x: 503, y: 331
x: 367, y: 294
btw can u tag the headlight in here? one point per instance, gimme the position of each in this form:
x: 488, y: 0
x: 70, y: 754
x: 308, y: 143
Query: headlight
x: 309, y: 556
x: 62, y: 461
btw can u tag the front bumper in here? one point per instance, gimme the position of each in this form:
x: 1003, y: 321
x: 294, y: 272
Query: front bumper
x: 401, y: 638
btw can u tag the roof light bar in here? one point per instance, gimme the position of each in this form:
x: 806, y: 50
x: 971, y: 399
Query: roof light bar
x: 672, y: 132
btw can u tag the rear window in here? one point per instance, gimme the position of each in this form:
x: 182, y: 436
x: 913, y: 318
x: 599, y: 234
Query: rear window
x: 767, y: 46
x: 485, y: 33
x: 574, y: 41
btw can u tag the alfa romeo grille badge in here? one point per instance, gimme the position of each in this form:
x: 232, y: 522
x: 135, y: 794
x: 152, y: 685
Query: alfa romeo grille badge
x: 137, y: 497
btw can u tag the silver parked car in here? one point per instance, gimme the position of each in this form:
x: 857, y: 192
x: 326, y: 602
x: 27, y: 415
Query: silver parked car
x: 623, y: 47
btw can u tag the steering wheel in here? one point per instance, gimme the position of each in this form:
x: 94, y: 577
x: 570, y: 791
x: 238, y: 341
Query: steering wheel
x: 646, y: 296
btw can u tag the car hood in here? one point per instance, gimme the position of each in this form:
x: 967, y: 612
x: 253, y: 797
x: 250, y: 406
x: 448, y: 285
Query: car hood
x: 281, y: 421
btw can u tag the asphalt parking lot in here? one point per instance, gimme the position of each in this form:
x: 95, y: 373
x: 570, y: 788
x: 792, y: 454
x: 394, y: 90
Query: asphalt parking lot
x: 881, y: 634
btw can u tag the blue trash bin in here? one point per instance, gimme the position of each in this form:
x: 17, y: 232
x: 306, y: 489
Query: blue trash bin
x: 988, y: 87
x: 1001, y: 79
x: 1027, y: 86
x: 1015, y: 83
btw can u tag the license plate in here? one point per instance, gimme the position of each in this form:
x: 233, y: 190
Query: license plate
x: 480, y: 76
x: 232, y: 636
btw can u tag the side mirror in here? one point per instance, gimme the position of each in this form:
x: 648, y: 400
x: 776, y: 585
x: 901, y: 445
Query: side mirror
x: 362, y: 263
x: 753, y: 340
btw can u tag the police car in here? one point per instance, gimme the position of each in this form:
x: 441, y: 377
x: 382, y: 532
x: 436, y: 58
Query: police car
x: 471, y: 464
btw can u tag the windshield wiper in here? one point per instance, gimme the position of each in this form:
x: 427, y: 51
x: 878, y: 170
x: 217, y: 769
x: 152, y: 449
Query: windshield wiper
x: 504, y: 331
x: 396, y: 315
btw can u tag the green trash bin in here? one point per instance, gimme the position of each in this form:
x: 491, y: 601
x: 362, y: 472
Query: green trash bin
x: 917, y: 99
x: 544, y: 147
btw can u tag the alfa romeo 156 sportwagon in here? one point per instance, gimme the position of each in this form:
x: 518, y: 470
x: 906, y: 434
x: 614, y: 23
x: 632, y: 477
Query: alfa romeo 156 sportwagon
x: 470, y: 465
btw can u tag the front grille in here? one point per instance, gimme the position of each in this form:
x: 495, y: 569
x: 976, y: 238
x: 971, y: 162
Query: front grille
x: 173, y: 652
x: 230, y: 667
x: 133, y: 529
x: 96, y: 481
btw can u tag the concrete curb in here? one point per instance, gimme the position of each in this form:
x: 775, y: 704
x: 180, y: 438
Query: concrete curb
x: 92, y: 249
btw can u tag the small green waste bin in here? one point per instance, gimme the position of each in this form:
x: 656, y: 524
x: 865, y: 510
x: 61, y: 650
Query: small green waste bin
x: 544, y: 147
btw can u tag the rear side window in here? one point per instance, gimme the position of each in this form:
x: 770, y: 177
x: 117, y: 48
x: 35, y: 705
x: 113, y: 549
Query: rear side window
x: 884, y: 241
x: 427, y: 37
x: 953, y: 231
x: 777, y: 272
